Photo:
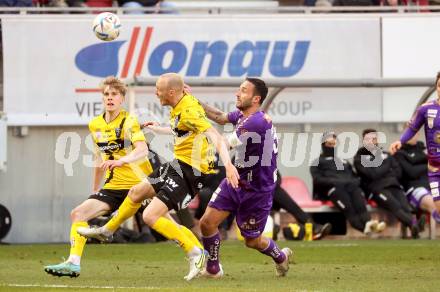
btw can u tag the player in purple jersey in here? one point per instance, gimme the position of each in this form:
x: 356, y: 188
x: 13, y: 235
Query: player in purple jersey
x: 255, y: 141
x: 427, y: 114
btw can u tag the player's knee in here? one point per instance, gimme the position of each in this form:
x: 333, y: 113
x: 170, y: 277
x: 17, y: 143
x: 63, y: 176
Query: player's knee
x: 206, y: 225
x: 76, y: 215
x: 251, y: 243
x: 149, y: 220
x: 138, y: 193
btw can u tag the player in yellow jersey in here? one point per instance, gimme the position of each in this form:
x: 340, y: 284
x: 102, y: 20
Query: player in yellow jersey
x: 120, y: 159
x: 175, y: 183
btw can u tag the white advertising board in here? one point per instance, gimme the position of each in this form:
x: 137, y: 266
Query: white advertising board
x: 53, y: 64
x: 410, y: 50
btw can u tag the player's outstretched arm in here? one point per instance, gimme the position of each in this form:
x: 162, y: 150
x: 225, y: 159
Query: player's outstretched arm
x: 231, y: 172
x: 215, y: 114
x: 157, y: 128
x: 139, y: 152
x: 414, y: 125
x: 98, y: 172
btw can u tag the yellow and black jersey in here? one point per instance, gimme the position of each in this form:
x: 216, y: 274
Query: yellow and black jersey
x: 188, y: 121
x: 115, y: 140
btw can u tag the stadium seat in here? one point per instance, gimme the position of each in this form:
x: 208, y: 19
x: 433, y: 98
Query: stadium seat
x: 194, y: 204
x: 99, y: 3
x: 297, y: 189
x: 372, y: 203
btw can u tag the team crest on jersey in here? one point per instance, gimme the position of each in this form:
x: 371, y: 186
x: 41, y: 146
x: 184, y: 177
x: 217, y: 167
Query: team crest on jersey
x: 430, y: 122
x: 432, y: 114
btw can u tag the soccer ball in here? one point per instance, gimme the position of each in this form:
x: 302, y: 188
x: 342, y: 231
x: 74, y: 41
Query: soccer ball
x: 106, y: 26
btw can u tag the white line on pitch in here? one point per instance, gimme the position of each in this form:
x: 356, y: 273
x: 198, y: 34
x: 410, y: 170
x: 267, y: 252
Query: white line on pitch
x: 83, y: 287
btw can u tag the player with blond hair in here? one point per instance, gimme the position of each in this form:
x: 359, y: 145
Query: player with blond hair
x: 175, y: 183
x: 120, y: 158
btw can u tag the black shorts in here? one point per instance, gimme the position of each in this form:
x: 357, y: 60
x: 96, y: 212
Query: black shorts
x: 113, y: 198
x: 176, y: 183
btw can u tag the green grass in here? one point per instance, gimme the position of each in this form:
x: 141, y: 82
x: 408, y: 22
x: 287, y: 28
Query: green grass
x: 365, y: 265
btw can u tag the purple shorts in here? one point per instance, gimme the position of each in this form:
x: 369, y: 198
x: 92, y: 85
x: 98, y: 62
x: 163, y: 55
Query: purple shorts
x: 416, y: 195
x: 434, y: 182
x: 250, y: 207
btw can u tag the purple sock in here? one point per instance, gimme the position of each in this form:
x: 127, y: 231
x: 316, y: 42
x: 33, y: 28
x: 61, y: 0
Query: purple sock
x: 274, y: 252
x: 436, y: 216
x: 212, y: 245
x: 413, y: 221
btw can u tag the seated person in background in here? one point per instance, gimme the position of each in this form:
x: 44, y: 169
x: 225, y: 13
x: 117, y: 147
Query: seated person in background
x: 414, y: 164
x: 137, y: 4
x: 379, y: 173
x: 281, y: 199
x: 334, y: 180
x: 16, y: 3
x: 159, y: 6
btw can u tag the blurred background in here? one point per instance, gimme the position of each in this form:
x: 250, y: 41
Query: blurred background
x: 52, y: 64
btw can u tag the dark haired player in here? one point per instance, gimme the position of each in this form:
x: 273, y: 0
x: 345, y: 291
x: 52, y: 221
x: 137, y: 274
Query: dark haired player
x: 256, y: 144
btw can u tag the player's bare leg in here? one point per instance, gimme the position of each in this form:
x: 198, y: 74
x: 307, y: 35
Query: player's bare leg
x: 437, y: 205
x: 89, y: 209
x: 429, y: 205
x: 128, y: 208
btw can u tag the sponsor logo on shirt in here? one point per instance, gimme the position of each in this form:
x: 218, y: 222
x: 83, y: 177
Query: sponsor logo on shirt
x: 432, y: 114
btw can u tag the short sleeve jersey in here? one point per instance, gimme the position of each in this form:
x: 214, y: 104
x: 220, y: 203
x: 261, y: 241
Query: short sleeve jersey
x: 256, y: 156
x: 115, y: 140
x: 428, y: 115
x: 188, y: 121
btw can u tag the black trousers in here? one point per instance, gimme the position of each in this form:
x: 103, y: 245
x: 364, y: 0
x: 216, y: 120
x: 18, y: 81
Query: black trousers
x: 393, y: 199
x: 281, y: 199
x: 352, y: 204
x: 205, y: 195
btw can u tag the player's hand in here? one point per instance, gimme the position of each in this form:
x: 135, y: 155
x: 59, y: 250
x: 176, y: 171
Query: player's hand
x: 187, y: 89
x: 232, y: 175
x: 110, y: 164
x: 394, y: 147
x: 149, y: 124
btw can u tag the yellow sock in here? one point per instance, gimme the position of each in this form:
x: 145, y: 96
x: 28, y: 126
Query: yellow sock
x: 171, y: 231
x: 191, y: 236
x: 127, y: 209
x: 77, y: 242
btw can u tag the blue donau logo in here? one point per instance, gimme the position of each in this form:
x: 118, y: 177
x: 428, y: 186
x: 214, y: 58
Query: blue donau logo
x: 99, y: 60
x: 213, y: 58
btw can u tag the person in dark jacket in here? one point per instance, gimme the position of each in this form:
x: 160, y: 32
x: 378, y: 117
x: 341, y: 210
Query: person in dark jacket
x: 334, y: 180
x: 414, y: 164
x: 282, y: 200
x: 379, y: 173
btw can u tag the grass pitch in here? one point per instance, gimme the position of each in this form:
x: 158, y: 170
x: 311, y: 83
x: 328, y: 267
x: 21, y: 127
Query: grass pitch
x: 365, y: 265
